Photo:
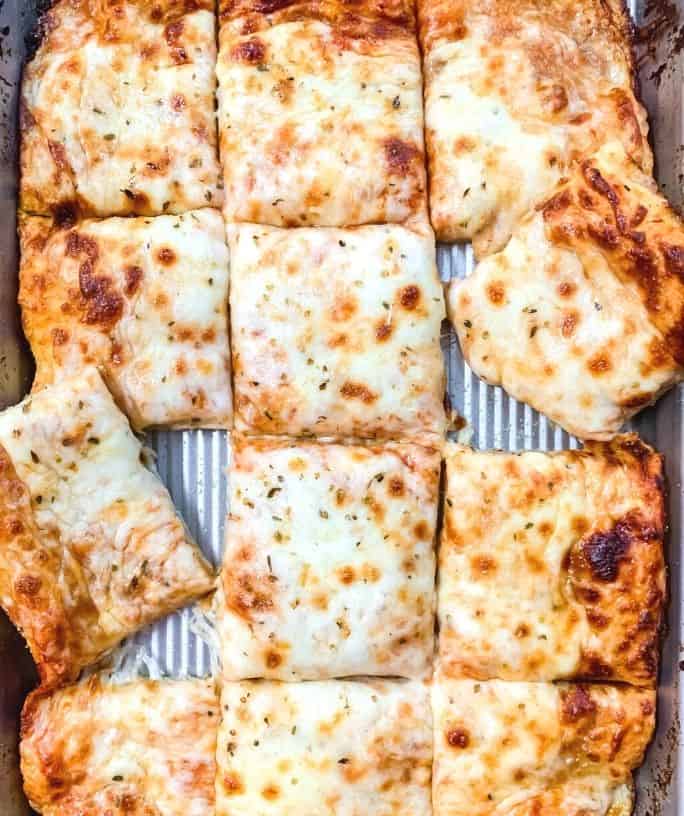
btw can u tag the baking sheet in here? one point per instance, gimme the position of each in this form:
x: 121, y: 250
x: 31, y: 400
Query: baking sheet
x: 193, y: 463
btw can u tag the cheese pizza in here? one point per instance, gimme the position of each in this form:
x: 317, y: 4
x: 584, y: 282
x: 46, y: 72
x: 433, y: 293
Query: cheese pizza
x: 320, y: 112
x: 551, y: 565
x: 142, y: 748
x: 582, y: 314
x: 515, y: 92
x: 336, y: 331
x: 537, y: 749
x: 145, y: 300
x: 91, y: 548
x: 329, y: 564
x: 117, y: 110
x: 336, y: 748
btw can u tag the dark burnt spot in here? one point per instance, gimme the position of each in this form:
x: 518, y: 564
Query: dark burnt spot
x: 604, y: 234
x: 273, y: 659
x: 674, y: 259
x: 458, y: 738
x: 585, y: 200
x: 496, y: 293
x: 59, y: 336
x: 15, y: 526
x: 166, y: 256
x: 65, y: 214
x: 421, y: 530
x: 594, y: 178
x: 245, y: 597
x: 644, y: 267
x: 400, y: 155
x: 59, y: 155
x: 173, y: 32
x: 178, y: 102
x: 556, y: 205
x: 133, y: 275
x: 595, y: 667
x: 604, y: 551
x: 270, y: 6
x: 638, y: 217
x: 355, y: 390
x: 156, y: 14
x: 139, y: 200
x: 566, y: 289
x: 28, y: 585
x: 26, y: 119
x: 522, y: 631
x: 558, y: 98
x: 251, y: 51
x: 599, y: 364
x: 569, y: 324
x: 347, y: 575
x: 576, y: 704
x: 396, y: 486
x: 383, y: 331
x: 103, y: 304
x: 409, y: 297
x: 79, y: 244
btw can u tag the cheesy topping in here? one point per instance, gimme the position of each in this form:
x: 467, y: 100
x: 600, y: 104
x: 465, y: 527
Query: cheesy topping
x: 324, y: 749
x: 514, y: 94
x: 336, y: 331
x: 320, y: 113
x: 581, y: 315
x: 144, y: 748
x: 329, y: 565
x: 91, y: 548
x: 551, y: 565
x: 537, y: 749
x: 145, y: 300
x: 118, y: 110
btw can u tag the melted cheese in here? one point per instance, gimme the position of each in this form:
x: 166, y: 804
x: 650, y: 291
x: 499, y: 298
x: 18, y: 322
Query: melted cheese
x: 91, y: 547
x: 329, y: 565
x: 551, y: 565
x: 514, y: 93
x: 145, y: 300
x: 324, y: 749
x: 118, y: 110
x: 336, y: 332
x: 537, y: 749
x: 145, y: 748
x: 581, y: 315
x: 320, y: 114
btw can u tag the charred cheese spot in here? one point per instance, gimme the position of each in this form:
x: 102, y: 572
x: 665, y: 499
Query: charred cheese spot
x: 59, y: 336
x: 355, y: 390
x: 104, y: 305
x: 569, y: 323
x: 674, y: 260
x: 133, y: 275
x: 496, y: 292
x: 273, y: 659
x: 346, y: 574
x: 232, y: 783
x: 166, y: 256
x: 483, y: 564
x: 344, y: 308
x: 556, y: 205
x: 604, y: 551
x: 270, y: 792
x: 599, y: 364
x: 421, y: 530
x: 400, y: 156
x: 409, y: 297
x: 252, y: 51
x: 395, y: 486
x: 383, y: 331
x: 604, y: 234
x: 458, y: 737
x: 28, y: 585
x: 464, y: 144
x: 566, y: 289
x: 576, y: 704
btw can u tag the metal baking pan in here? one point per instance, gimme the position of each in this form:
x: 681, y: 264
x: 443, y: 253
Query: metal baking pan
x: 193, y: 463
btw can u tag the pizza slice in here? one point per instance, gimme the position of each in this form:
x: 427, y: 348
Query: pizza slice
x: 336, y: 332
x: 329, y: 564
x: 537, y: 749
x: 514, y: 94
x: 551, y: 565
x: 320, y: 112
x: 91, y: 548
x: 582, y: 314
x: 145, y: 300
x: 117, y: 110
x: 141, y: 748
x: 336, y: 748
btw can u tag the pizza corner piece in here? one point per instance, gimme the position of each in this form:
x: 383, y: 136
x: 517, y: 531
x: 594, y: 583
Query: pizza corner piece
x: 335, y: 332
x: 581, y: 315
x: 329, y: 564
x: 551, y: 564
x: 537, y: 749
x: 117, y: 111
x: 139, y: 747
x: 324, y: 748
x: 320, y: 113
x: 514, y: 94
x: 91, y: 548
x: 143, y: 299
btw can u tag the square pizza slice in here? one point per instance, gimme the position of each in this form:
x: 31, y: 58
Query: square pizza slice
x: 320, y: 112
x: 117, y: 110
x: 91, y: 548
x: 335, y: 332
x: 143, y: 299
x: 139, y: 748
x: 582, y: 315
x: 515, y: 92
x: 336, y: 748
x: 551, y: 565
x: 329, y: 564
x: 537, y: 749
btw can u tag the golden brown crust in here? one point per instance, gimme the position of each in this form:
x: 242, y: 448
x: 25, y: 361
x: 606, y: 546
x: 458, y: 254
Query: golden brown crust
x: 610, y: 208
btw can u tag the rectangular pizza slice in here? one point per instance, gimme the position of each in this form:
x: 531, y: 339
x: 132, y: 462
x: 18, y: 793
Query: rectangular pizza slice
x: 582, y: 315
x: 320, y: 112
x: 141, y: 748
x: 117, y: 110
x: 329, y: 564
x: 143, y: 299
x: 537, y: 749
x: 336, y: 748
x: 551, y: 565
x: 91, y: 548
x: 336, y: 332
x: 514, y: 93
